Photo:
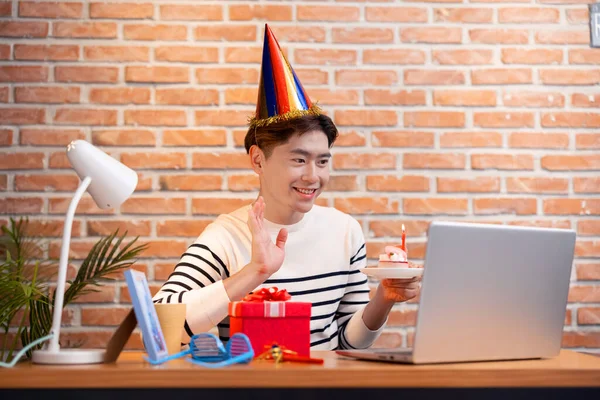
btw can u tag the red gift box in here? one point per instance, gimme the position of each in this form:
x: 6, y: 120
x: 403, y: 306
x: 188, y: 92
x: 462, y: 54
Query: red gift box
x: 267, y: 317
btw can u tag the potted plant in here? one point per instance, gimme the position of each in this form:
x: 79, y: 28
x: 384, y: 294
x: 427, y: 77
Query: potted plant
x: 25, y: 276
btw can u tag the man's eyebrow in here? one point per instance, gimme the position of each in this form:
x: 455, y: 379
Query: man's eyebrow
x: 305, y: 153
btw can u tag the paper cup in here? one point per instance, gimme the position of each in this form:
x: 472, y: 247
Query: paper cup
x: 171, y: 318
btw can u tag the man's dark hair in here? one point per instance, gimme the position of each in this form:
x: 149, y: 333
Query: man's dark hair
x: 275, y: 134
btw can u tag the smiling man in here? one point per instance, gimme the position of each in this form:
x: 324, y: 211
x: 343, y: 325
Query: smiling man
x: 283, y: 239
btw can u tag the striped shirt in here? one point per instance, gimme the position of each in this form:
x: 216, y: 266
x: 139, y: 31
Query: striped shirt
x: 323, y: 255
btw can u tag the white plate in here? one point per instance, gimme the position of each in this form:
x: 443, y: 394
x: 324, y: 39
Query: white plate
x: 392, y: 273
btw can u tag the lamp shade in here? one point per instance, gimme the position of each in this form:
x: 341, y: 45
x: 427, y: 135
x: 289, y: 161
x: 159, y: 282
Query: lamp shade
x: 112, y: 182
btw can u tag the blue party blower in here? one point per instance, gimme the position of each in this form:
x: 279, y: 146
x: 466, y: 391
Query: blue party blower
x: 207, y: 350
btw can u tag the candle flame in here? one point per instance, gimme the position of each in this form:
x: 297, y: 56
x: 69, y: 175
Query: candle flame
x: 403, y: 227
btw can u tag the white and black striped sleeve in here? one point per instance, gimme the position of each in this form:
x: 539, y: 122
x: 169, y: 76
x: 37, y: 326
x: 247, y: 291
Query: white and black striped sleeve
x: 197, y: 280
x: 353, y: 332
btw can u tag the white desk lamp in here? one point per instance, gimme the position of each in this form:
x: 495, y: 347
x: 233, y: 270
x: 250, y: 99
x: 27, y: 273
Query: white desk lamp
x: 109, y: 183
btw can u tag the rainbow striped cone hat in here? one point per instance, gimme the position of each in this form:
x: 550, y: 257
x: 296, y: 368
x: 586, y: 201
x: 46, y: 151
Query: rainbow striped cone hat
x: 281, y: 96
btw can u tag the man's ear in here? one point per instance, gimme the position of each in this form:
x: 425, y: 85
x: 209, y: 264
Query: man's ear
x: 257, y: 158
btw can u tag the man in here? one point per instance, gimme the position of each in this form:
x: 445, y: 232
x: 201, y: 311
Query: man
x: 283, y: 239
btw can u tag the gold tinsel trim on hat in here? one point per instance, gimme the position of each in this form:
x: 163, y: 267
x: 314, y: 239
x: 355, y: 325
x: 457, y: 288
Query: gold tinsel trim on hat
x: 257, y: 123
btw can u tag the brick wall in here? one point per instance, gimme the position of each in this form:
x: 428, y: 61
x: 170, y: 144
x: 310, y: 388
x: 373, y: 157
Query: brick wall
x: 474, y: 111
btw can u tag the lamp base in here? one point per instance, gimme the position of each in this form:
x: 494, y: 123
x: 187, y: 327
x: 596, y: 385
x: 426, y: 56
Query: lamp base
x: 69, y: 356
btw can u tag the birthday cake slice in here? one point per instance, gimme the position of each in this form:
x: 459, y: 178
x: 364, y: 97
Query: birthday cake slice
x: 394, y: 257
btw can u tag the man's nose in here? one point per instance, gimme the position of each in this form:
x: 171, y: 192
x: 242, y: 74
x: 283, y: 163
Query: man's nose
x: 310, y: 173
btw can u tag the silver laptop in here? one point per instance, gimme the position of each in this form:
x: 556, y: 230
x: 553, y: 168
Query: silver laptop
x: 489, y: 292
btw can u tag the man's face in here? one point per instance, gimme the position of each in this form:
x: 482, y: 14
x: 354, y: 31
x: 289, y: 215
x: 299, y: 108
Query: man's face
x: 295, y: 175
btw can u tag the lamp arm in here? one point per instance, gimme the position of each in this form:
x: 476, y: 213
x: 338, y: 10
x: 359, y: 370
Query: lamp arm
x: 59, y: 297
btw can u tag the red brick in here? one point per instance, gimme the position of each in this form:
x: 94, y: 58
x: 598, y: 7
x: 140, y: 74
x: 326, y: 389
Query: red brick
x: 246, y: 54
x: 396, y: 14
x: 365, y: 78
x: 430, y: 119
x: 167, y: 117
x: 463, y: 15
x: 366, y: 118
x: 366, y: 161
x: 14, y: 160
x: 46, y: 183
x: 190, y: 182
x: 363, y: 35
x: 6, y: 8
x: 21, y: 205
x: 333, y: 97
x: 154, y: 205
x: 132, y: 227
x: 97, y: 30
x: 393, y: 56
x: 402, y: 139
x: 157, y: 74
x: 47, y: 94
x: 22, y: 116
x: 464, y: 97
x: 583, y: 56
x: 480, y: 184
x: 499, y: 36
x: 586, y: 185
x: 528, y: 15
x: 366, y: 205
x: 539, y: 140
x: 563, y: 37
x: 229, y: 33
x: 116, y: 53
x: 349, y: 138
x: 3, y: 187
x: 220, y: 161
x: 154, y: 160
x: 83, y: 116
x: 431, y: 35
x: 537, y: 185
x: 578, y: 16
x: 223, y: 117
x: 462, y: 57
x: 588, y: 227
x: 216, y: 206
x: 190, y: 12
x: 22, y: 73
x: 433, y: 206
x: 106, y: 295
x: 501, y: 76
x: 49, y: 9
x: 122, y: 10
x: 180, y: 228
x: 21, y: 29
x: 154, y: 32
x: 571, y: 120
x: 586, y: 272
x: 187, y: 96
x: 4, y: 94
x: 327, y: 13
x: 46, y: 52
x: 503, y: 119
x: 587, y: 141
x: 392, y: 183
x: 325, y: 56
x: 570, y: 77
x: 533, y: 99
x: 227, y: 75
x: 587, y: 248
x: 187, y: 54
x: 433, y: 161
x: 470, y: 139
x: 295, y: 33
x: 86, y: 74
x: 49, y: 136
x: 589, y: 316
x: 194, y: 137
x: 103, y: 316
x: 514, y: 206
x: 6, y: 137
x: 59, y: 160
x: 511, y: 162
x: 390, y: 340
x: 246, y: 183
x: 580, y: 162
x: 5, y: 51
x: 338, y: 183
x: 532, y: 56
x: 389, y: 97
x: 572, y: 206
x: 128, y: 95
x: 433, y: 77
x: 123, y: 137
x: 585, y: 100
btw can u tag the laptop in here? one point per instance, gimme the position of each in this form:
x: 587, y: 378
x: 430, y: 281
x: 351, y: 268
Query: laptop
x: 489, y: 292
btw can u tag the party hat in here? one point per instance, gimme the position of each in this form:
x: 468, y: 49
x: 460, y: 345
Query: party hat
x: 280, y: 95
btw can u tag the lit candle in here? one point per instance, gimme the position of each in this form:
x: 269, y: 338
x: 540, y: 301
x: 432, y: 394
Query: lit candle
x: 403, y: 238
